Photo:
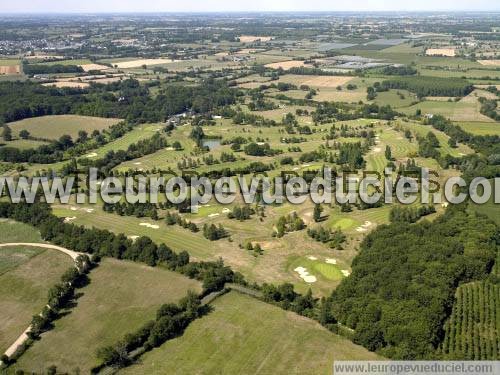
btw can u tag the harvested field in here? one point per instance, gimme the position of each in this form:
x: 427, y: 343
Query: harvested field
x: 140, y: 62
x: 450, y: 52
x: 88, y: 67
x: 326, y: 81
x: 286, y: 64
x: 253, y: 38
x: 489, y: 62
x: 60, y: 84
x: 10, y: 69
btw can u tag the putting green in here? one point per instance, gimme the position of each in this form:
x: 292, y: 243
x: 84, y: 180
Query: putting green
x: 318, y: 268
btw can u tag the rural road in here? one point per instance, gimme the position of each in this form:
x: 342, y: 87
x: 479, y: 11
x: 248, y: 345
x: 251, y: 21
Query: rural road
x: 73, y: 254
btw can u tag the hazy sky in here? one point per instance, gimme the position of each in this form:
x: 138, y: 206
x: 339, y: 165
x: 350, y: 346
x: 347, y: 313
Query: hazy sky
x: 36, y: 6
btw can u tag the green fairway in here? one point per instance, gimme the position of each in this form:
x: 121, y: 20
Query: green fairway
x: 120, y: 298
x: 53, y: 127
x: 245, y: 336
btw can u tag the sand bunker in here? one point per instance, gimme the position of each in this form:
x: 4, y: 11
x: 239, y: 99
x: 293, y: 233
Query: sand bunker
x: 152, y: 226
x: 226, y: 211
x: 133, y: 238
x: 213, y: 215
x: 345, y: 272
x: 364, y: 227
x: 377, y: 149
x: 312, y: 258
x: 91, y: 155
x: 304, y: 274
x: 331, y: 261
x: 69, y: 219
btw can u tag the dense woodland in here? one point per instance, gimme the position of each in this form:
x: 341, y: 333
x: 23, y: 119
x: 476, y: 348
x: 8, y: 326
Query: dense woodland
x: 403, y: 281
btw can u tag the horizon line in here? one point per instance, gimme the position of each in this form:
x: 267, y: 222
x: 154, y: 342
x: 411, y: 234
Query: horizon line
x: 250, y: 11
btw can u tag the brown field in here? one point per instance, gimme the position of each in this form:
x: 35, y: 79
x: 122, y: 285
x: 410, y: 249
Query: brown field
x: 489, y: 62
x: 10, y: 69
x: 286, y: 64
x: 88, y: 67
x: 60, y: 84
x: 253, y: 38
x: 326, y: 81
x: 440, y: 52
x: 140, y: 62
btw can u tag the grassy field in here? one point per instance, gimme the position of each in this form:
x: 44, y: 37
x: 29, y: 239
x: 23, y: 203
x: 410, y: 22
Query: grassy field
x: 480, y: 128
x: 119, y: 299
x: 12, y: 231
x: 68, y: 62
x: 26, y: 274
x: 23, y: 144
x: 243, y: 335
x: 52, y: 127
x: 455, y: 111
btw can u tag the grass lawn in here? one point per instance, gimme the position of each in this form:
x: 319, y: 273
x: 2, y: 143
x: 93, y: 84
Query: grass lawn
x: 244, y: 335
x: 53, y: 127
x: 26, y: 274
x: 120, y: 298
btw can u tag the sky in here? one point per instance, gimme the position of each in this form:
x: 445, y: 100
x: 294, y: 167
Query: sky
x: 117, y: 6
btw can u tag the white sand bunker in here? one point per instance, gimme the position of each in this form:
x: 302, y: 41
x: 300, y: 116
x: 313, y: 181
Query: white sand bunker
x: 306, y: 165
x: 226, y: 211
x: 89, y: 210
x: 444, y: 205
x: 312, y: 258
x: 133, y: 238
x: 345, y: 273
x: 305, y: 275
x: 364, y: 227
x: 377, y: 149
x: 213, y: 215
x: 73, y: 208
x: 91, y: 155
x: 296, y: 168
x: 69, y: 219
x: 331, y: 261
x: 152, y: 226
x: 138, y: 163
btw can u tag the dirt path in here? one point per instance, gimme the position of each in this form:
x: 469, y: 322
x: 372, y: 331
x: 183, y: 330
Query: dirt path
x: 73, y: 254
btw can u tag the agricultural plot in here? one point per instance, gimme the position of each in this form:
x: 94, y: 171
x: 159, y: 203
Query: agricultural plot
x: 480, y: 128
x: 120, y: 298
x: 473, y: 330
x: 26, y: 274
x: 53, y: 127
x: 23, y: 144
x: 235, y: 338
x: 455, y: 111
x: 316, y: 81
